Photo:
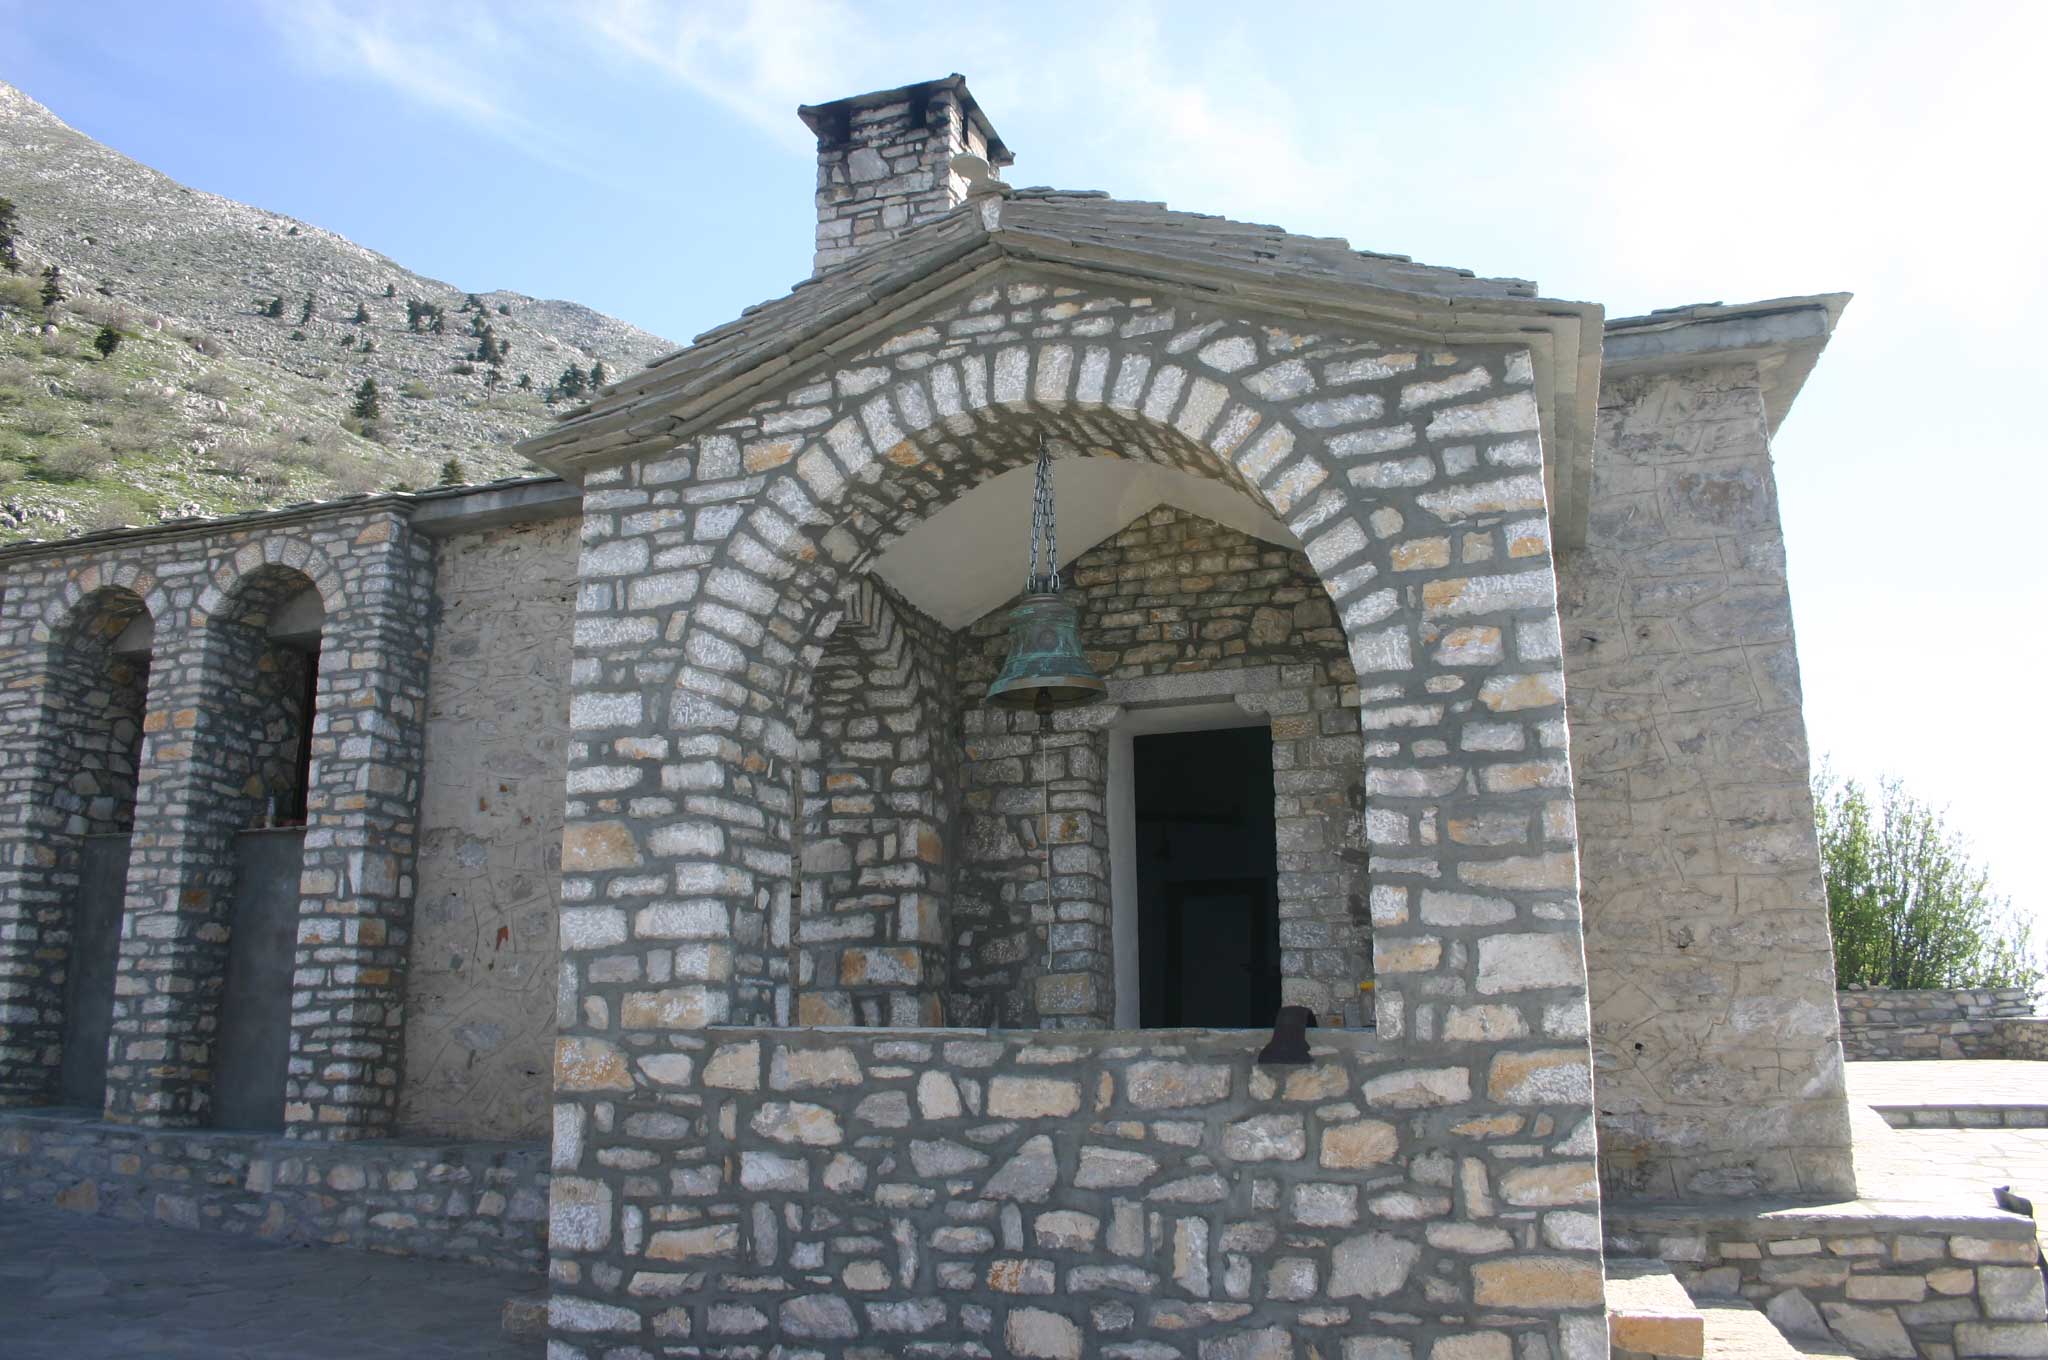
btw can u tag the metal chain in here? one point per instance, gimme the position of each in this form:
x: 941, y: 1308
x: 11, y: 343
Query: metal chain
x: 1044, y: 526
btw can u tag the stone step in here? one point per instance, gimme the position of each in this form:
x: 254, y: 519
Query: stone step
x: 1649, y: 1313
x: 1735, y: 1330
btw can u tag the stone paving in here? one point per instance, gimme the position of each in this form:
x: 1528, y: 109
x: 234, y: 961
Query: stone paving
x: 75, y: 1286
x: 1949, y: 1084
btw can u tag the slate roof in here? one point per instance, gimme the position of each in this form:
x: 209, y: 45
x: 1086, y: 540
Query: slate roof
x: 1148, y: 243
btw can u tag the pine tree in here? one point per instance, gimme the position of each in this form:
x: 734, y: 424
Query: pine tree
x: 9, y: 261
x: 453, y: 473
x: 107, y: 341
x: 362, y: 314
x: 274, y: 307
x: 571, y: 383
x: 366, y: 401
x: 53, y: 287
x: 306, y: 310
x: 390, y: 290
x: 526, y: 382
x: 471, y: 303
x: 597, y: 375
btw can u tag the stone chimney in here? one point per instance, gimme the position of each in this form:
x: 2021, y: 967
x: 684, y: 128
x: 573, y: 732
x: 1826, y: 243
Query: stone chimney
x: 885, y: 162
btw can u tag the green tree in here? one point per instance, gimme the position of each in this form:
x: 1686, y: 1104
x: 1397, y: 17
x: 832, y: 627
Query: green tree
x: 597, y: 375
x: 362, y: 315
x: 365, y: 407
x: 453, y: 473
x: 1907, y: 905
x: 53, y: 287
x: 107, y: 341
x: 9, y: 261
x: 306, y: 310
x: 572, y: 382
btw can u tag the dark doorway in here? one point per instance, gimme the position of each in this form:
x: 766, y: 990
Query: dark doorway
x: 255, y: 1044
x: 1208, y: 918
x: 89, y: 980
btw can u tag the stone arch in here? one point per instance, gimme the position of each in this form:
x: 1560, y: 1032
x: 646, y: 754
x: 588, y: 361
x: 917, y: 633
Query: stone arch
x: 130, y: 578
x: 1353, y: 442
x: 864, y: 921
x: 264, y: 559
x: 1411, y: 474
x: 83, y: 761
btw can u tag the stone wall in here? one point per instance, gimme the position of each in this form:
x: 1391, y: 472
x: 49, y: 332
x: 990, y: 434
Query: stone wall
x: 1882, y: 1024
x: 1169, y: 594
x: 485, y: 1203
x: 481, y: 980
x: 2024, y: 1039
x: 1706, y: 927
x: 1412, y: 478
x: 880, y: 757
x: 220, y: 718
x: 1070, y: 1194
x: 1939, y: 1287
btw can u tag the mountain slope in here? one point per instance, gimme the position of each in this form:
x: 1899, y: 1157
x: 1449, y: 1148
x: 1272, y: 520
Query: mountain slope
x: 210, y: 406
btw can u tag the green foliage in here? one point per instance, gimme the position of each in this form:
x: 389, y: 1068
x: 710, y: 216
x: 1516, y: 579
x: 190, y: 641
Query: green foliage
x: 597, y: 375
x: 53, y: 287
x: 572, y: 382
x: 489, y: 348
x: 19, y: 294
x: 362, y: 315
x: 453, y: 473
x: 1907, y: 906
x: 423, y: 316
x: 306, y: 310
x: 390, y: 290
x: 270, y: 306
x: 416, y: 389
x: 107, y: 341
x: 9, y: 261
x: 365, y: 407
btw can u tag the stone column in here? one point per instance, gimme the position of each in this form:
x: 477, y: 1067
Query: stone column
x: 206, y: 705
x: 68, y: 709
x: 362, y: 837
x: 1032, y: 906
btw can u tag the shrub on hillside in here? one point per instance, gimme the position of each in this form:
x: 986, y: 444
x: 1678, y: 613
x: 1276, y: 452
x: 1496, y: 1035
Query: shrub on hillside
x: 75, y: 461
x: 19, y: 293
x: 417, y: 390
x: 107, y: 341
x: 40, y: 421
x: 120, y: 511
x: 129, y: 434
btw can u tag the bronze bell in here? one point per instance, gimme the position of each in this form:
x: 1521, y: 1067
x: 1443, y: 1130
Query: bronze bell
x: 1046, y: 668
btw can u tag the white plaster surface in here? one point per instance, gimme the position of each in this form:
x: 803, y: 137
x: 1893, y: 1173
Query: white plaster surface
x: 480, y: 993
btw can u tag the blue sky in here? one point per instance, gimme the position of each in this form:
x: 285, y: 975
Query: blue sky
x: 646, y: 159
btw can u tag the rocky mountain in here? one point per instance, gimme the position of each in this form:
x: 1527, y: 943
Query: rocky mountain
x: 224, y: 392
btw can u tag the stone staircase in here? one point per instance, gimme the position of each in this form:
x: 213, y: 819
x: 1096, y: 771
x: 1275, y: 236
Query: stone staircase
x: 1651, y: 1317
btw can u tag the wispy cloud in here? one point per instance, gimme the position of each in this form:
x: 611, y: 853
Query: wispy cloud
x: 483, y: 65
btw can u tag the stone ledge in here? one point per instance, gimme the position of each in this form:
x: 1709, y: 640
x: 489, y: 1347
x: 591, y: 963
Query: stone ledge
x: 1649, y: 1313
x: 443, y: 1199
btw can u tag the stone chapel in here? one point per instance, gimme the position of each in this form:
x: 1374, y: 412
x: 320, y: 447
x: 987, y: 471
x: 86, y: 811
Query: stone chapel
x: 618, y: 874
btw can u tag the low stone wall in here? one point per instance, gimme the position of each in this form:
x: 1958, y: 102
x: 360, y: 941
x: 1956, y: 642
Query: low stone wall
x: 2026, y: 1038
x: 1880, y: 1280
x: 1881, y: 1025
x: 1057, y: 1194
x: 484, y: 1203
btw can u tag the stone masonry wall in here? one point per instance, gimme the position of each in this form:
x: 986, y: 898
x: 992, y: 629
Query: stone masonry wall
x: 72, y: 775
x: 480, y: 1016
x: 879, y: 763
x: 1170, y: 595
x: 1706, y: 927
x: 485, y: 1203
x: 709, y: 555
x: 203, y: 763
x: 1882, y: 1024
x: 1031, y: 907
x: 858, y: 1193
x: 1936, y: 1286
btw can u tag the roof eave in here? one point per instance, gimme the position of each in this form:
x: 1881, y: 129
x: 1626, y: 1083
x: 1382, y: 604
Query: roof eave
x: 1564, y: 338
x: 1783, y: 337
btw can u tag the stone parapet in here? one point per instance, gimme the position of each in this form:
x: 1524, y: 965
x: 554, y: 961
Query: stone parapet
x: 484, y: 1203
x: 1062, y: 1193
x: 1880, y: 1279
x: 1884, y: 1025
